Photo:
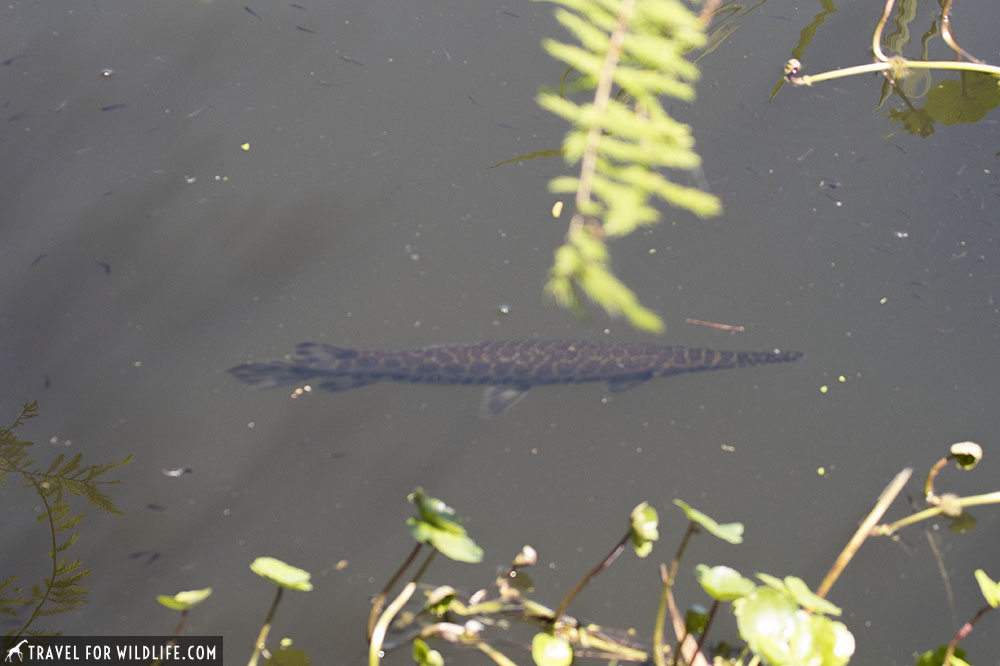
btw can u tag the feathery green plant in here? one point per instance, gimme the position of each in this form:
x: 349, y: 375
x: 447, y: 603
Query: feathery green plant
x: 63, y: 589
x: 624, y: 140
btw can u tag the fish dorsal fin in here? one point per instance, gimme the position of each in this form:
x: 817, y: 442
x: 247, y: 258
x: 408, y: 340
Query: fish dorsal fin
x: 619, y: 385
x: 498, y: 399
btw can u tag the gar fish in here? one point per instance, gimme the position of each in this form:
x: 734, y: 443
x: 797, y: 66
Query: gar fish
x: 507, y: 368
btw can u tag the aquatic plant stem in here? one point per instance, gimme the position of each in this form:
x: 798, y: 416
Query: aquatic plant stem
x: 423, y: 567
x: 708, y: 624
x: 177, y: 632
x: 865, y: 529
x: 50, y: 521
x: 971, y: 500
x: 379, y: 602
x: 603, y: 564
x: 382, y: 625
x: 949, y: 39
x: 929, y: 495
x: 588, y: 162
x: 498, y: 657
x: 667, y: 603
x: 963, y: 631
x: 686, y: 649
x: 887, y: 66
x: 181, y: 623
x: 877, y: 35
x: 661, y: 618
x: 259, y: 645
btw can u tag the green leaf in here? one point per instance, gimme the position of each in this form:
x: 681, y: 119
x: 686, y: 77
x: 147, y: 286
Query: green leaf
x: 696, y: 619
x: 286, y: 655
x: 424, y: 655
x: 936, y: 658
x: 643, y: 528
x: 459, y: 547
x: 625, y: 134
x: 723, y: 583
x: 549, y: 650
x: 184, y: 600
x: 764, y: 618
x: 964, y: 100
x: 774, y: 627
x: 730, y: 532
x: 282, y: 574
x: 439, y: 526
x: 436, y: 512
x: 807, y: 599
x: 989, y: 588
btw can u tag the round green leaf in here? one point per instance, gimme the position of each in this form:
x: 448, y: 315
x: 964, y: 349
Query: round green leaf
x: 831, y: 641
x: 964, y: 100
x: 723, y: 583
x: 730, y: 532
x: 765, y: 618
x: 459, y: 547
x: 774, y: 627
x: 282, y: 574
x: 548, y: 650
x: 184, y: 600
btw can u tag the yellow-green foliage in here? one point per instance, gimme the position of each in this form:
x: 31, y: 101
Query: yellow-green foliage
x: 623, y: 139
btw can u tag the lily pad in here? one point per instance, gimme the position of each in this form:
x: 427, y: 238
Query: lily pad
x: 723, y: 583
x: 282, y: 574
x: 549, y: 650
x: 184, y: 600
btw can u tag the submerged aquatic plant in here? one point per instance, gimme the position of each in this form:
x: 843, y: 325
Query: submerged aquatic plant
x: 630, y: 53
x: 62, y: 589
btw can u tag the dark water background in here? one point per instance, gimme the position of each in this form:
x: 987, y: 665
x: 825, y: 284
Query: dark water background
x: 143, y: 251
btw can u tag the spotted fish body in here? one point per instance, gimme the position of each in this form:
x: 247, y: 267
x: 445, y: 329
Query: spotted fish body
x: 508, y: 368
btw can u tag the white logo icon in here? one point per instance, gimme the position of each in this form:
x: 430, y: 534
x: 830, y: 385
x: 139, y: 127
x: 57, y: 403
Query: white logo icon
x: 16, y: 650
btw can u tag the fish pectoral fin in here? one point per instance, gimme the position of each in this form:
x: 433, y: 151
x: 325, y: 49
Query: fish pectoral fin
x: 498, y: 399
x: 619, y: 385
